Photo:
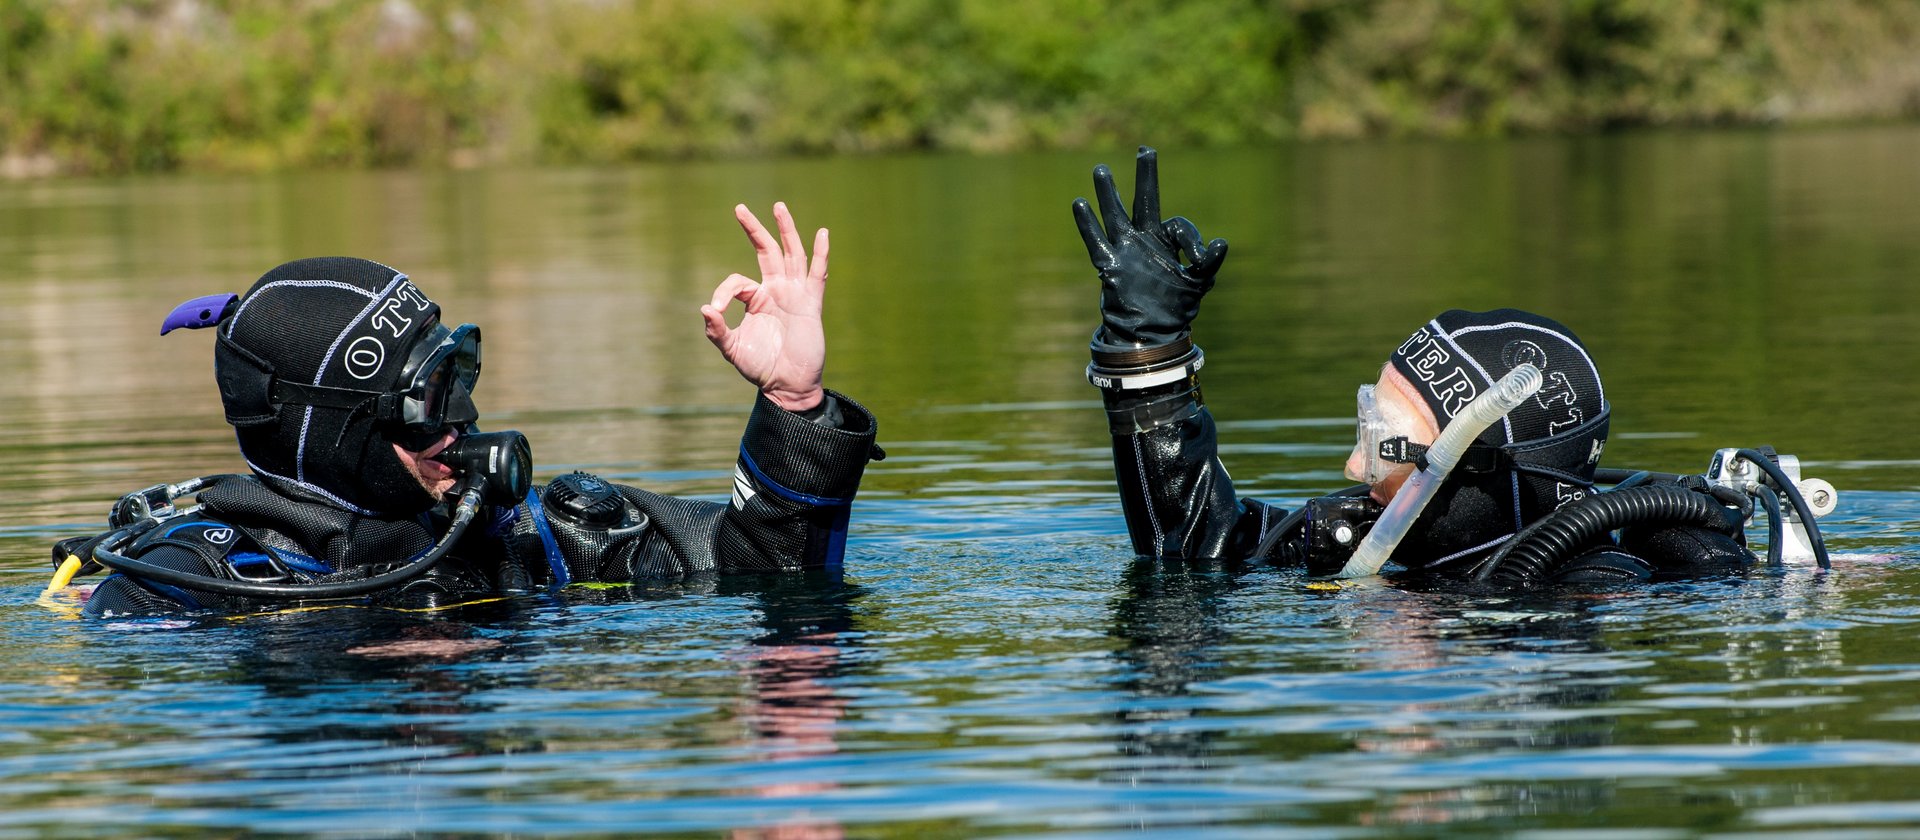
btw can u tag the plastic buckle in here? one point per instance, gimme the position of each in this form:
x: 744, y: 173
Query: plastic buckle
x: 1402, y: 451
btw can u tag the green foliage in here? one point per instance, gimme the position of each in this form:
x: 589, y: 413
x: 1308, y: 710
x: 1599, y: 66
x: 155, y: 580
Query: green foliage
x: 1494, y: 66
x: 106, y: 86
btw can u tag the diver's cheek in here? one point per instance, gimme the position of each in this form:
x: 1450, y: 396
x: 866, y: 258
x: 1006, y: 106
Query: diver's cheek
x: 1387, y: 488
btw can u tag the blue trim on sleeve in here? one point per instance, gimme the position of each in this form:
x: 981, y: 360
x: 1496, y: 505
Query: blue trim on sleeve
x: 784, y: 493
x: 555, y: 560
x: 837, y: 541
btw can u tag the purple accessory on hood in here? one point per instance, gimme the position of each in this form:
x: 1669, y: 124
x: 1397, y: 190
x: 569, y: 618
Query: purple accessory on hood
x: 199, y: 313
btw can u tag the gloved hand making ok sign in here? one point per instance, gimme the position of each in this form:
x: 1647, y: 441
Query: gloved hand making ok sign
x: 1147, y: 298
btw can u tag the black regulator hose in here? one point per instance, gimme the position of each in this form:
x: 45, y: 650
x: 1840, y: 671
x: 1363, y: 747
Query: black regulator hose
x: 471, y: 494
x: 1771, y: 501
x: 1799, y: 502
x: 1540, y: 549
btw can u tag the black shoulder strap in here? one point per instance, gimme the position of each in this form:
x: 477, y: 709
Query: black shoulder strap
x: 209, y: 538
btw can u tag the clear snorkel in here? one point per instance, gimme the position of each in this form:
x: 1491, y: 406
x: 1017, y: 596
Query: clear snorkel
x: 1398, y: 518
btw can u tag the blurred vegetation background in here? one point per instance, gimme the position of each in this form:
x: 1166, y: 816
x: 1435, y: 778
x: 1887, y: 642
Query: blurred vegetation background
x: 104, y: 86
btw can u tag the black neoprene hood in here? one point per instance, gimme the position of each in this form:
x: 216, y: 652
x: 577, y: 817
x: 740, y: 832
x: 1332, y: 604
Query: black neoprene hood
x: 338, y: 322
x: 1550, y: 444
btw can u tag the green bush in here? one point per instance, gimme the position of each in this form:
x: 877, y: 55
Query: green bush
x: 102, y: 86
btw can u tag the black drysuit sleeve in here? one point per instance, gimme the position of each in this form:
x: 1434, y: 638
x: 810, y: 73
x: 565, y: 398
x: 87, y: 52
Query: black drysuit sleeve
x: 793, y: 486
x: 1177, y: 496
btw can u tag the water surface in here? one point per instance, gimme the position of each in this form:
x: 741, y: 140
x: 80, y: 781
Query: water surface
x: 993, y: 661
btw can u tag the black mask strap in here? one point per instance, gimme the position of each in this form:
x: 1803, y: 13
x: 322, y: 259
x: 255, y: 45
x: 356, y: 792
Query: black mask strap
x: 324, y: 396
x: 245, y: 382
x: 1578, y: 445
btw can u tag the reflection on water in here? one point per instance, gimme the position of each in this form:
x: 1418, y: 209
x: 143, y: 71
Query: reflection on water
x: 994, y: 662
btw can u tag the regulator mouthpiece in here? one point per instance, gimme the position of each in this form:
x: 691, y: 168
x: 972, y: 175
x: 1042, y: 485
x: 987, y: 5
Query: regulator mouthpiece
x: 500, y: 461
x: 1514, y: 388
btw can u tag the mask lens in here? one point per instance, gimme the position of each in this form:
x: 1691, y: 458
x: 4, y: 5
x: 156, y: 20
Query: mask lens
x: 1370, y: 431
x: 451, y: 361
x: 433, y: 392
x: 466, y: 359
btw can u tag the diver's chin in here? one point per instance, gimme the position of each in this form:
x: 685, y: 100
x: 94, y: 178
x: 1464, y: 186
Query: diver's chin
x: 1385, y: 489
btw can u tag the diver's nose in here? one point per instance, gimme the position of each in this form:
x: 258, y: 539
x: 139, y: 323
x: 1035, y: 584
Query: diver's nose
x: 1357, y: 465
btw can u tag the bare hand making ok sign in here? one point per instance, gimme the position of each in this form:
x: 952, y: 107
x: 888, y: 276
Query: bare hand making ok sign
x: 779, y: 345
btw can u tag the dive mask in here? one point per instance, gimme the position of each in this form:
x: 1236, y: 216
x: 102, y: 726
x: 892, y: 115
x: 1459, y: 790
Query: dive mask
x: 434, y: 391
x: 1381, y: 437
x: 443, y: 367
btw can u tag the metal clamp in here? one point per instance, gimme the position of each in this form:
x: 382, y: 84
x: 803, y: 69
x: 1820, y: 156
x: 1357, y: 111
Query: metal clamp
x: 1181, y: 368
x: 154, y: 502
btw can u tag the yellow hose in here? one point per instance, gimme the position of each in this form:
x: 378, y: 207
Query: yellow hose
x: 64, y: 575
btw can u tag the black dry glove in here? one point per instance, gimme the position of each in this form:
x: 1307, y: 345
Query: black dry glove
x: 1146, y: 298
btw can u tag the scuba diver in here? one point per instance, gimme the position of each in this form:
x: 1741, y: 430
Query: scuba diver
x: 1479, y: 445
x: 353, y: 406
